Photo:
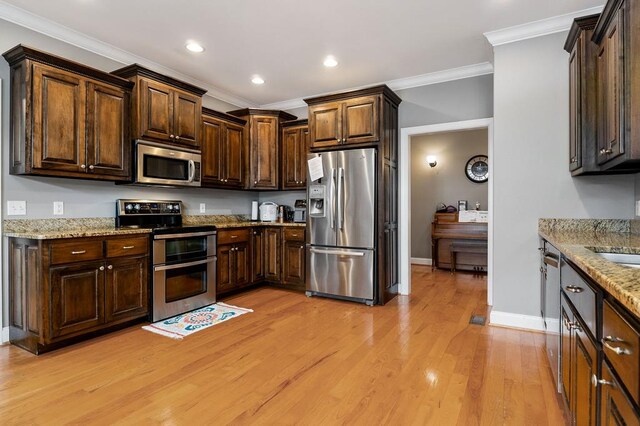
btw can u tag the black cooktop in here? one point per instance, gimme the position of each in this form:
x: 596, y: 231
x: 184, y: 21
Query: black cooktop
x: 163, y: 216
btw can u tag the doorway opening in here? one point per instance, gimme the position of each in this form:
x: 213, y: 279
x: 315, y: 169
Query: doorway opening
x: 410, y: 139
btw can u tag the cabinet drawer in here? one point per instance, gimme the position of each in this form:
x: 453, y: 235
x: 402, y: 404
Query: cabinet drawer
x: 581, y: 295
x: 75, y: 251
x: 230, y: 236
x: 127, y: 247
x: 294, y: 234
x: 620, y: 343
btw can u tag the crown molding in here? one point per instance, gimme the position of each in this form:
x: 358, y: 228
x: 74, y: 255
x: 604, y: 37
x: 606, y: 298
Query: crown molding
x: 540, y: 28
x: 401, y: 83
x: 60, y: 32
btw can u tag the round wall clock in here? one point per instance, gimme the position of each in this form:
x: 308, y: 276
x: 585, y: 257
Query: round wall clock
x: 477, y: 169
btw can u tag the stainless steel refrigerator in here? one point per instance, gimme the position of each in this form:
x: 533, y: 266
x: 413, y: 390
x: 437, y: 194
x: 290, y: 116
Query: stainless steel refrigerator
x: 341, y: 224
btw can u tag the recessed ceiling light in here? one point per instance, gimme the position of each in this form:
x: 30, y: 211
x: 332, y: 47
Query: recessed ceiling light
x: 330, y: 62
x: 256, y: 79
x: 192, y: 46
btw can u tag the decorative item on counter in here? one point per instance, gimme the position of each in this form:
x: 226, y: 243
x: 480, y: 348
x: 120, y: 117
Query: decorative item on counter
x: 462, y: 205
x: 477, y: 205
x: 254, y: 210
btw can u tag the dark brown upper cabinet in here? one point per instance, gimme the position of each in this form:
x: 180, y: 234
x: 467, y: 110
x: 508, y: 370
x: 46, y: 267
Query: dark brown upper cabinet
x: 67, y: 120
x: 604, y: 92
x: 582, y: 96
x: 223, y: 150
x: 293, y: 159
x: 347, y: 118
x: 262, y: 132
x: 164, y: 109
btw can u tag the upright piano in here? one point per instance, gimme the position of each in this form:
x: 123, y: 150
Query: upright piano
x: 464, y: 242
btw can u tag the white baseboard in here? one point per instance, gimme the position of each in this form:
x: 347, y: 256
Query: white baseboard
x: 421, y: 261
x: 4, y: 336
x: 507, y: 319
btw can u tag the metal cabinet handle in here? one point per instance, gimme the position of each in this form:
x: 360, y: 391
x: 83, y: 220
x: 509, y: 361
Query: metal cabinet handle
x: 234, y: 236
x: 78, y: 252
x: 82, y: 166
x: 110, y: 267
x: 172, y: 136
x: 91, y: 167
x: 616, y: 349
x: 127, y: 247
x: 604, y: 151
x: 177, y: 137
x: 574, y: 160
x: 595, y: 382
x: 574, y: 289
x: 101, y: 268
x: 255, y: 182
x: 301, y: 247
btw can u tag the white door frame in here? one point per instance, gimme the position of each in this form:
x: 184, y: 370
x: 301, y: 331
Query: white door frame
x: 405, y: 195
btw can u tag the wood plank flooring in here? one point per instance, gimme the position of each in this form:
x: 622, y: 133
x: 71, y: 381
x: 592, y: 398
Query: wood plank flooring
x: 299, y: 360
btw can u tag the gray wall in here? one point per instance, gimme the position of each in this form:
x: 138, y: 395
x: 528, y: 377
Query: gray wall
x: 458, y: 100
x: 445, y: 183
x: 530, y: 173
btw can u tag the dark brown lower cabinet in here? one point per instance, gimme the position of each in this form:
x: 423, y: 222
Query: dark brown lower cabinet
x: 257, y: 250
x: 77, y: 298
x: 578, y: 367
x: 615, y: 407
x: 64, y: 290
x: 234, y: 260
x: 272, y: 259
x: 293, y: 259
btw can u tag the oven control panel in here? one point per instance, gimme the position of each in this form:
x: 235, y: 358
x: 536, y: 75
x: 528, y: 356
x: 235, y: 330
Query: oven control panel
x: 145, y: 207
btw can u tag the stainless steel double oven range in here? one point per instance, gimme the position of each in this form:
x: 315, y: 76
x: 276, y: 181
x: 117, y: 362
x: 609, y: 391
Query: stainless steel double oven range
x: 183, y: 271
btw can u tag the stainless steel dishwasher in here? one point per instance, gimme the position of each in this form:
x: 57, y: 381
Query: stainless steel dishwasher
x: 550, y: 304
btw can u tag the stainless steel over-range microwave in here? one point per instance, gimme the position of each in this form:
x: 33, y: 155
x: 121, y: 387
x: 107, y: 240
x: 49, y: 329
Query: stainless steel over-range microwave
x: 158, y: 164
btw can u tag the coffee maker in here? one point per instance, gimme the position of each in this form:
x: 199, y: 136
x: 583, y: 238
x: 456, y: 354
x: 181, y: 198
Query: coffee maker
x: 300, y: 211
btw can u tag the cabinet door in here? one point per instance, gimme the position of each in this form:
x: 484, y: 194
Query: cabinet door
x: 325, y: 124
x: 187, y: 113
x: 126, y: 289
x: 264, y: 152
x: 156, y: 110
x: 59, y: 108
x: 234, y: 155
x: 584, y: 368
x: 575, y: 128
x: 293, y: 265
x: 212, y: 151
x: 243, y: 264
x: 272, y: 238
x: 77, y: 298
x: 225, y: 268
x: 258, y: 250
x: 361, y: 120
x: 108, y: 145
x: 291, y: 141
x: 615, y: 408
x: 302, y: 156
x: 611, y: 91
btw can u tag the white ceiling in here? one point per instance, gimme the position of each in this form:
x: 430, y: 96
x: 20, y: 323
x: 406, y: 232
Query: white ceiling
x: 285, y: 41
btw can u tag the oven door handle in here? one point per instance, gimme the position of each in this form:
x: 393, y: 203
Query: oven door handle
x: 183, y: 265
x: 183, y: 235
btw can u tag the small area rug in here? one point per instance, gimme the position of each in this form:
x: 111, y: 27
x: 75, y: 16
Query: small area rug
x: 188, y: 323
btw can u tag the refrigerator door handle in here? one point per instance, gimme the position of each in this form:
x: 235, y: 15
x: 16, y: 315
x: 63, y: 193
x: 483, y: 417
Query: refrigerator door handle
x: 332, y: 208
x: 340, y: 197
x: 337, y: 252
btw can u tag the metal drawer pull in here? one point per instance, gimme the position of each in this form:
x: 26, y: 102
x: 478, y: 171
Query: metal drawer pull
x: 618, y: 350
x: 78, y: 252
x: 575, y: 326
x: 127, y: 247
x: 574, y: 289
x: 595, y: 382
x: 337, y: 252
x: 110, y: 267
x: 234, y: 236
x: 101, y: 268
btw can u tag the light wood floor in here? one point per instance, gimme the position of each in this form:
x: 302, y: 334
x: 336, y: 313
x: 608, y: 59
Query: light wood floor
x: 299, y: 360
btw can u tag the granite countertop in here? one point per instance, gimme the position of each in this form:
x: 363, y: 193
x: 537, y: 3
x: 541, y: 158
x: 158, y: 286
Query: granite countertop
x: 578, y: 240
x: 50, y: 229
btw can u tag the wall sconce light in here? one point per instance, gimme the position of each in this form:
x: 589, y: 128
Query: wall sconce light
x: 431, y: 159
